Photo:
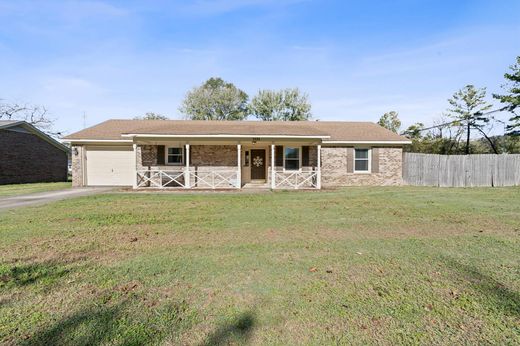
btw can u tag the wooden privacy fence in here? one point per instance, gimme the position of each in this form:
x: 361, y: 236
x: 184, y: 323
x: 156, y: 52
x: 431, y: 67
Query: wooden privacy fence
x: 461, y: 170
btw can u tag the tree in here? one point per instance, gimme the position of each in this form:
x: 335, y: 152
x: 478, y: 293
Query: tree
x: 390, y: 121
x: 33, y: 114
x: 287, y: 105
x: 467, y: 109
x: 512, y: 98
x: 151, y: 116
x: 215, y: 100
x: 413, y: 131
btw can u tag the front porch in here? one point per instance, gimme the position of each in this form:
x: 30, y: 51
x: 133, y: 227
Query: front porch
x: 181, y: 165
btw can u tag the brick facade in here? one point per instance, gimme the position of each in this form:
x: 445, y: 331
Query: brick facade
x: 77, y: 167
x: 201, y: 156
x: 26, y: 158
x: 334, y: 170
x: 224, y: 157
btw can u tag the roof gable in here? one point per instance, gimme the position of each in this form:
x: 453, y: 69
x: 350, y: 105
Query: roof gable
x: 25, y: 127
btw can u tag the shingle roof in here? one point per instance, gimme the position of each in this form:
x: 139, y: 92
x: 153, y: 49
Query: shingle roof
x: 11, y: 124
x: 337, y: 130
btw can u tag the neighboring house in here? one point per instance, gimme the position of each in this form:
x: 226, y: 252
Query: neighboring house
x: 27, y: 155
x: 234, y: 154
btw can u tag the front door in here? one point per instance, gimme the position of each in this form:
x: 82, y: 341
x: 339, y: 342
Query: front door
x: 257, y: 164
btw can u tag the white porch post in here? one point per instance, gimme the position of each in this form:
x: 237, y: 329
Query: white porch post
x: 273, y: 183
x: 239, y: 169
x: 318, y: 174
x: 187, y: 169
x: 134, y: 185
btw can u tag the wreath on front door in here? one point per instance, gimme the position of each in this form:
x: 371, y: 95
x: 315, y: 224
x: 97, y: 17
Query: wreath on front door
x: 258, y: 161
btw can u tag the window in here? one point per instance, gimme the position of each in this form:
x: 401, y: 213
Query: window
x: 246, y: 160
x: 291, y: 158
x: 362, y: 160
x: 174, y: 156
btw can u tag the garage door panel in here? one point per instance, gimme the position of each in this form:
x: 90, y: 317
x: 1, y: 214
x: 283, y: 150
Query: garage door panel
x: 110, y: 166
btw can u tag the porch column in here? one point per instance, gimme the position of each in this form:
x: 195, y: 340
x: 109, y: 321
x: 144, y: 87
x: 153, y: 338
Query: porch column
x: 318, y: 174
x: 187, y: 169
x: 273, y: 183
x: 239, y: 169
x: 134, y: 184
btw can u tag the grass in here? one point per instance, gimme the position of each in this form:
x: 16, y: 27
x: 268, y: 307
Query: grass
x: 22, y: 189
x: 354, y: 266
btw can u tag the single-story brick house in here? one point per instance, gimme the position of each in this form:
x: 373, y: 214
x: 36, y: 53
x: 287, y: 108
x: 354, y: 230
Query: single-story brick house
x: 236, y: 154
x: 27, y: 155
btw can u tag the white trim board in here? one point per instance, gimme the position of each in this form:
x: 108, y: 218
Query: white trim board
x: 137, y: 135
x: 97, y: 140
x: 367, y: 142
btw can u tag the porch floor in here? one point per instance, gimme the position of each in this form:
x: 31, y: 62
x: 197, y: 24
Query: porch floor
x: 256, y: 186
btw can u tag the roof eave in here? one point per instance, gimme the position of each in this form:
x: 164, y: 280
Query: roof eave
x: 85, y: 140
x: 151, y: 135
x: 31, y: 128
x: 399, y: 142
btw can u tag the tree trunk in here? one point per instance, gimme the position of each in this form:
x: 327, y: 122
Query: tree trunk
x: 489, y: 140
x: 467, y: 139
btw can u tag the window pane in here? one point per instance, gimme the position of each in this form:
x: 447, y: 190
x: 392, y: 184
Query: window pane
x: 174, y: 151
x: 292, y: 153
x: 174, y: 159
x: 292, y: 164
x: 361, y: 165
x: 361, y: 153
x: 174, y: 155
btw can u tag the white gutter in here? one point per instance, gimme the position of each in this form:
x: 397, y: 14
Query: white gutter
x: 220, y: 136
x: 228, y: 136
x: 97, y: 140
x: 367, y: 142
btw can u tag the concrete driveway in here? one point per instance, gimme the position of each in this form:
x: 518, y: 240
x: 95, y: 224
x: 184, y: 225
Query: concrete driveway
x: 46, y: 197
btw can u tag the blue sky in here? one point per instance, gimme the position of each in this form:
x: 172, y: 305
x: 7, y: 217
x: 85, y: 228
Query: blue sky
x: 355, y: 59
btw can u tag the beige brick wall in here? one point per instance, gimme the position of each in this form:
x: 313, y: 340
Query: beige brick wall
x: 334, y: 164
x: 77, y: 169
x: 334, y: 168
x: 214, y: 155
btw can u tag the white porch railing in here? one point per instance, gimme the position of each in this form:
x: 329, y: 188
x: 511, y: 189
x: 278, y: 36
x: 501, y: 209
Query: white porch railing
x: 296, y: 179
x: 159, y: 178
x: 204, y: 179
x: 214, y: 179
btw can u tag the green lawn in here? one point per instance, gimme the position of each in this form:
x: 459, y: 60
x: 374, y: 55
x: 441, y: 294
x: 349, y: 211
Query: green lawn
x: 22, y: 189
x: 353, y: 266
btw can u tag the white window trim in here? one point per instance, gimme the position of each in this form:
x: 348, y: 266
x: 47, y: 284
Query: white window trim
x: 299, y: 158
x: 369, y: 171
x: 173, y: 163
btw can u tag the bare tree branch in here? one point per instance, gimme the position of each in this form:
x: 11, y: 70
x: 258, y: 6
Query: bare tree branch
x: 35, y: 115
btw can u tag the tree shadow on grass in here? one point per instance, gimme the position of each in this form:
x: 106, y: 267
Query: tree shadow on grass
x: 28, y: 274
x: 123, y: 323
x: 86, y: 327
x: 238, y: 331
x: 496, y: 294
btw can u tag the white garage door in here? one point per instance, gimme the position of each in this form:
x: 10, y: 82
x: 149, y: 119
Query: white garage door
x: 110, y: 166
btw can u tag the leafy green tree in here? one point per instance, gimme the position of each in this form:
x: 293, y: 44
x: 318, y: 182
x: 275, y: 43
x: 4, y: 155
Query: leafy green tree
x: 286, y: 105
x: 390, y: 121
x: 413, y: 131
x: 152, y: 116
x: 512, y: 98
x: 216, y: 99
x: 467, y: 109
